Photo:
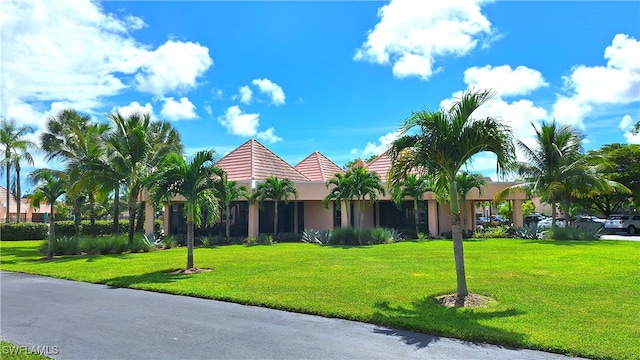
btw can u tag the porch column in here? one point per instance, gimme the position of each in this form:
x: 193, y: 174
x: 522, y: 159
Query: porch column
x: 295, y: 217
x: 148, y: 217
x: 432, y: 206
x: 517, y: 213
x: 254, y: 219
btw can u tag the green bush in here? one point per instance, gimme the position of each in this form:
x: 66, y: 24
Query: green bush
x: 102, y: 227
x: 569, y: 233
x: 99, y: 245
x: 466, y: 234
x: 493, y: 232
x: 24, y: 231
x: 351, y: 236
x: 288, y: 237
x: 63, y: 245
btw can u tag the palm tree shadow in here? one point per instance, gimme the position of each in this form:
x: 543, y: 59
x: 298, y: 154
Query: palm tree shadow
x: 157, y: 277
x: 431, y: 321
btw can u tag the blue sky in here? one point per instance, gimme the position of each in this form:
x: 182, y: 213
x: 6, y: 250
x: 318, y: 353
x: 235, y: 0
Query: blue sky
x: 332, y: 76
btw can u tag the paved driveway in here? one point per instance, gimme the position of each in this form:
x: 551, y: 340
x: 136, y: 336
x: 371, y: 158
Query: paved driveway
x: 74, y: 320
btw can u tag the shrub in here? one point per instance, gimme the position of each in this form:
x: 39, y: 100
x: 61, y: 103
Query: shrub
x: 466, y: 234
x: 63, y: 245
x: 169, y: 242
x: 493, y: 232
x: 311, y: 236
x: 569, y: 233
x: 351, y: 236
x: 24, y: 231
x: 422, y: 236
x: 526, y: 232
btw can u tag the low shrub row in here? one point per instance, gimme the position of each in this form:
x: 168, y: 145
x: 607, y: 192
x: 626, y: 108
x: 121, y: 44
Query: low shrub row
x: 99, y: 245
x: 351, y: 236
x: 24, y: 231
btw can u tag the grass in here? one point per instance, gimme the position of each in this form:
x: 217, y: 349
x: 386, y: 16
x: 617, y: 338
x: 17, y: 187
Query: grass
x: 578, y: 298
x: 10, y: 351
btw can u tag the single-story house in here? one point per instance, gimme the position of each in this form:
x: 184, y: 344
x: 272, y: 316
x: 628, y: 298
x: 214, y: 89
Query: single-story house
x: 252, y: 162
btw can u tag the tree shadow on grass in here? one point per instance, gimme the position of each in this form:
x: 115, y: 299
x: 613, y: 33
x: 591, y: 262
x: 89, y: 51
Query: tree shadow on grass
x: 429, y: 317
x: 565, y: 242
x: 165, y: 276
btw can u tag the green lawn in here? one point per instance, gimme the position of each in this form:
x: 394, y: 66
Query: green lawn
x: 10, y: 351
x: 578, y: 298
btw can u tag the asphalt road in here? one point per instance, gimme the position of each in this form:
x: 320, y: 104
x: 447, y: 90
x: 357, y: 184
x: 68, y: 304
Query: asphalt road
x: 72, y: 320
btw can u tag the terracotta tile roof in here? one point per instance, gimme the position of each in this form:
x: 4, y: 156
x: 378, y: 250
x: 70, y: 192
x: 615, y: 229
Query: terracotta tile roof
x: 253, y: 161
x: 318, y: 167
x: 381, y: 165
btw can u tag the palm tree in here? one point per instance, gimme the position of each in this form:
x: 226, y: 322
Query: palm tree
x: 196, y: 180
x: 414, y: 187
x: 229, y: 192
x: 73, y: 139
x: 276, y: 190
x: 366, y: 184
x: 555, y: 169
x: 443, y: 142
x: 51, y: 184
x: 135, y: 146
x: 19, y: 157
x: 16, y: 148
x: 465, y: 182
x: 341, y: 192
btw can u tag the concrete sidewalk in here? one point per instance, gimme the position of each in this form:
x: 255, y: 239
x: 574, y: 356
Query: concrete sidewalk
x: 74, y: 320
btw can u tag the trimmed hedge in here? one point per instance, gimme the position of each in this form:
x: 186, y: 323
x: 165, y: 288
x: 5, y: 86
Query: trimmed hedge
x: 102, y: 227
x: 24, y: 231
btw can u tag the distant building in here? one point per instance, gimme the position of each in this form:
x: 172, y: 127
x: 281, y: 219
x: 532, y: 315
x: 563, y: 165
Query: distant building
x: 27, y: 212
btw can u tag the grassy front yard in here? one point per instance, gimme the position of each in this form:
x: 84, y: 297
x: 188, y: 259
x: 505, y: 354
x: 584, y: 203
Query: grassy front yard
x: 578, y: 298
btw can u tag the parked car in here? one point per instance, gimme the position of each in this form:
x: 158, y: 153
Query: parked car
x: 546, y: 223
x: 628, y: 223
x: 482, y: 221
x: 533, y: 218
x: 499, y: 220
x: 586, y: 219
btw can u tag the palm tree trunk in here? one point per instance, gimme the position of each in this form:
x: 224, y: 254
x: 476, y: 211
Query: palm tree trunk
x: 458, y: 250
x: 347, y: 206
x: 190, y: 226
x: 132, y: 217
x: 8, y: 169
x: 227, y: 223
x: 140, y: 217
x: 52, y: 234
x: 18, y: 193
x: 92, y: 213
x: 554, y: 215
x: 275, y: 220
x: 416, y: 218
x: 116, y: 211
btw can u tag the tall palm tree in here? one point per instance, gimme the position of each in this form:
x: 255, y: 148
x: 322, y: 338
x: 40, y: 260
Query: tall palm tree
x: 229, y: 192
x: 442, y: 143
x: 15, y: 147
x: 556, y: 169
x: 136, y: 144
x: 415, y: 187
x: 19, y: 157
x: 340, y: 192
x: 464, y: 183
x: 196, y: 180
x: 276, y: 190
x: 366, y: 184
x: 50, y: 185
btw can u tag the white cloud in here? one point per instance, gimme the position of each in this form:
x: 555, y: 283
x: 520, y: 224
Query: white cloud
x: 134, y: 107
x: 208, y: 109
x: 73, y: 53
x: 239, y: 123
x: 268, y: 136
x: 174, y: 66
x: 182, y: 109
x: 270, y: 88
x: 616, y: 83
x: 506, y: 81
x: 411, y: 34
x: 627, y: 125
x: 383, y: 144
x: 245, y: 94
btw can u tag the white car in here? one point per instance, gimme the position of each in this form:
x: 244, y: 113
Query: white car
x: 546, y: 223
x: 628, y: 223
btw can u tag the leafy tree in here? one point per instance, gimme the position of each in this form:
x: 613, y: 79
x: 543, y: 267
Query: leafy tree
x: 365, y: 184
x: 528, y: 207
x: 50, y: 185
x: 464, y: 183
x: 624, y: 167
x: 340, y: 192
x: 16, y: 148
x: 351, y: 163
x: 276, y: 190
x: 228, y: 192
x: 442, y: 143
x: 413, y: 186
x: 196, y: 181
